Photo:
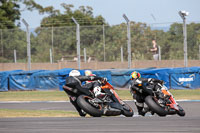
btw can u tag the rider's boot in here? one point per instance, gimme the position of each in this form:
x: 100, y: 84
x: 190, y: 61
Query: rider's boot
x: 152, y: 113
x: 140, y: 108
x: 82, y: 113
x: 140, y: 111
x: 146, y: 109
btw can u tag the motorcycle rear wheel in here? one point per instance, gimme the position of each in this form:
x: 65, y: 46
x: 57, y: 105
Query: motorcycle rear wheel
x: 83, y: 102
x: 154, y: 106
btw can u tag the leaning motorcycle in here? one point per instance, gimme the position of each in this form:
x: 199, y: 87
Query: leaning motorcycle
x: 160, y: 101
x: 109, y: 105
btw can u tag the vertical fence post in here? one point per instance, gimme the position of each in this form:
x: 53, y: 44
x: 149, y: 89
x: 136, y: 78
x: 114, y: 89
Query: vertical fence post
x: 52, y: 50
x: 1, y: 43
x: 78, y: 42
x: 199, y: 52
x: 15, y: 56
x: 128, y: 41
x: 159, y: 51
x: 28, y: 44
x: 183, y: 15
x: 85, y: 55
x: 122, y: 59
x: 185, y: 42
x: 104, y: 45
x: 50, y: 53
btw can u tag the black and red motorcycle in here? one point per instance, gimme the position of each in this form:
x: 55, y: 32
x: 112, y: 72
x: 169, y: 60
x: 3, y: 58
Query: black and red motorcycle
x: 109, y: 105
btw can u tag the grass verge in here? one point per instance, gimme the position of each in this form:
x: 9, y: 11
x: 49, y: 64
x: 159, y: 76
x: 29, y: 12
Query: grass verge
x: 6, y: 113
x: 61, y: 95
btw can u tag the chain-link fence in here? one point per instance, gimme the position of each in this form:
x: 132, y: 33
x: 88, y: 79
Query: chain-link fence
x: 99, y: 43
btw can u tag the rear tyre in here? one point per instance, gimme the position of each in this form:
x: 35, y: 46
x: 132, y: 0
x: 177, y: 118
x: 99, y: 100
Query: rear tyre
x: 127, y: 111
x: 154, y: 106
x: 83, y: 102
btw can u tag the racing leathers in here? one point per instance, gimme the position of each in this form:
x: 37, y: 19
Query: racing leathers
x: 74, y: 88
x: 138, y: 89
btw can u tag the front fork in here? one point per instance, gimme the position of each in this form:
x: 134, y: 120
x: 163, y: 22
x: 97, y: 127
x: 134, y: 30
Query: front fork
x: 167, y: 100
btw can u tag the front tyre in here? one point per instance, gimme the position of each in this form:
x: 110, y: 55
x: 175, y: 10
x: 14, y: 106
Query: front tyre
x: 154, y: 106
x: 127, y: 110
x: 83, y: 102
x: 180, y: 112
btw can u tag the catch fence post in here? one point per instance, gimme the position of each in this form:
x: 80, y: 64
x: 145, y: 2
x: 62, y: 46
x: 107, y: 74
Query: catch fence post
x: 77, y: 42
x: 129, y: 40
x: 28, y: 44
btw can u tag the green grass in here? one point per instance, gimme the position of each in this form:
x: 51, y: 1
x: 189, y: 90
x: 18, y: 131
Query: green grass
x: 186, y: 94
x: 4, y: 113
x: 61, y: 95
x: 33, y: 96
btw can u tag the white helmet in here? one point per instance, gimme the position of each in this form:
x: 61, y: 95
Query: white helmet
x: 74, y: 73
x: 88, y: 72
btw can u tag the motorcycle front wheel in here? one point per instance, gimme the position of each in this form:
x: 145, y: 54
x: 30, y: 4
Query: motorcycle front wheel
x: 127, y: 110
x: 83, y: 102
x: 154, y: 106
x: 180, y: 112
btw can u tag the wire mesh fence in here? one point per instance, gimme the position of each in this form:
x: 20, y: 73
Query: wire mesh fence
x: 99, y: 43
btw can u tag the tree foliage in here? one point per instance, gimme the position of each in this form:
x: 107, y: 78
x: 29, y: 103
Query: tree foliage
x: 83, y: 15
x: 9, y: 13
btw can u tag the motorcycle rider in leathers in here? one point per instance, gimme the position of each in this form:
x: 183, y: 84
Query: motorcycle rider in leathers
x: 74, y: 81
x: 96, y: 84
x: 138, y: 88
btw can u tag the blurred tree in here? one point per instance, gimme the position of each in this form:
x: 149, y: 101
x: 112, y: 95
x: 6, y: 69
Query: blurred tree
x: 65, y: 31
x: 83, y: 15
x: 9, y: 13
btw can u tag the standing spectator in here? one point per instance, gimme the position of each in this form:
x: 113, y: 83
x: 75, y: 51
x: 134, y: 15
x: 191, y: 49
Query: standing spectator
x: 154, y: 50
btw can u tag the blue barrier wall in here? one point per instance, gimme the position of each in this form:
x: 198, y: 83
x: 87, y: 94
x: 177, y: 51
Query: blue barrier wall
x: 62, y: 76
x: 4, y: 79
x: 47, y: 80
x: 175, y: 78
x: 121, y: 77
x: 103, y: 73
x: 21, y: 80
x: 184, y: 78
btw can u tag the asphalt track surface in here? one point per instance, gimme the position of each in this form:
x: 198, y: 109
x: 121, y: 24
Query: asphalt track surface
x: 136, y: 124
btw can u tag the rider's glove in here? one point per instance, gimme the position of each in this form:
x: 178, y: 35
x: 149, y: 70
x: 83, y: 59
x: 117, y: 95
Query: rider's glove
x: 140, y: 90
x: 104, y: 79
x: 162, y: 82
x: 150, y: 80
